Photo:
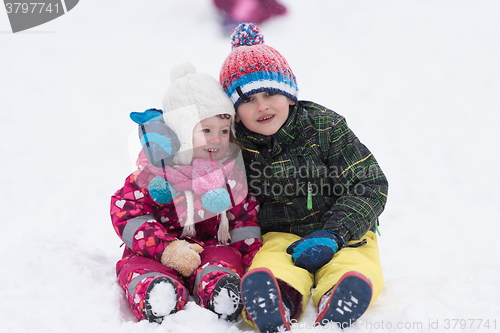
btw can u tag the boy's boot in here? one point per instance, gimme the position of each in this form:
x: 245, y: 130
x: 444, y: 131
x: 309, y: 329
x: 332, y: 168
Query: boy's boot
x: 225, y: 300
x: 345, y: 302
x: 161, y: 299
x: 263, y: 302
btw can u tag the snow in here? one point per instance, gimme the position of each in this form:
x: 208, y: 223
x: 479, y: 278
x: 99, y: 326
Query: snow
x: 418, y: 82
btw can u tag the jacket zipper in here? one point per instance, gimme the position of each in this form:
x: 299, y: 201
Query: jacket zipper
x: 309, y: 196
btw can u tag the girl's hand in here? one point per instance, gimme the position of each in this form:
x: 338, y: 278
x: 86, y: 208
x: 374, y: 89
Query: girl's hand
x: 182, y: 256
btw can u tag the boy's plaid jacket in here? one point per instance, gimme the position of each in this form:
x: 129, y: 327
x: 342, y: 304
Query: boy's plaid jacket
x: 314, y: 174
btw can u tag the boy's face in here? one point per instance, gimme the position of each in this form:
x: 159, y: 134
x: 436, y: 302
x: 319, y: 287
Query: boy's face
x: 264, y: 112
x: 211, y: 138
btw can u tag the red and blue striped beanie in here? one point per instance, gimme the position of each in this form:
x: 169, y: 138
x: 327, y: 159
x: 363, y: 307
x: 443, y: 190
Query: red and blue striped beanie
x: 253, y: 67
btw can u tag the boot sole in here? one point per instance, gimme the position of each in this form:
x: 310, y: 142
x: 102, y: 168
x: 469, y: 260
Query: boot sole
x: 150, y: 316
x: 220, y: 287
x: 349, y: 300
x: 262, y: 299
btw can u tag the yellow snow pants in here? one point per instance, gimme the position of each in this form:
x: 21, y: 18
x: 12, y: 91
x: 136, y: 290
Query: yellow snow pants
x: 364, y: 259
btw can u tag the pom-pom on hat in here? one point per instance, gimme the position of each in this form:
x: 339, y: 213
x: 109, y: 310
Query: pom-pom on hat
x: 254, y: 67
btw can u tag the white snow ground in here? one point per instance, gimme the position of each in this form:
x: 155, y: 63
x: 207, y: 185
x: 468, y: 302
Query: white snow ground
x: 419, y: 82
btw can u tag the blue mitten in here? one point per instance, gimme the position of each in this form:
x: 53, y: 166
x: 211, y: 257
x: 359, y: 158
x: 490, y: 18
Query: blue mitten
x: 160, y: 143
x: 315, y: 250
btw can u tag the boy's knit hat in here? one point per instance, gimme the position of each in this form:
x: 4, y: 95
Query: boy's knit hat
x: 191, y: 98
x: 253, y: 67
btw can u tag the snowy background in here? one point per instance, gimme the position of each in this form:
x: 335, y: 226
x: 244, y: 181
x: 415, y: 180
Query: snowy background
x: 418, y: 81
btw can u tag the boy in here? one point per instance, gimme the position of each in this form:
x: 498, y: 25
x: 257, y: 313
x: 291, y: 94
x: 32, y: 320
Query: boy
x: 320, y: 190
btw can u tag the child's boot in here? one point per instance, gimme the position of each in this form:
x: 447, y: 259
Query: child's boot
x: 345, y: 302
x: 162, y: 298
x: 263, y: 302
x: 225, y: 300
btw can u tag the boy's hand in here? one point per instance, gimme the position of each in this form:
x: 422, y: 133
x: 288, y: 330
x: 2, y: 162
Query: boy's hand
x: 182, y: 256
x: 315, y: 250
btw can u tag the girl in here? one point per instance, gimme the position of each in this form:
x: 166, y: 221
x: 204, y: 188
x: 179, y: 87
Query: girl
x: 185, y: 216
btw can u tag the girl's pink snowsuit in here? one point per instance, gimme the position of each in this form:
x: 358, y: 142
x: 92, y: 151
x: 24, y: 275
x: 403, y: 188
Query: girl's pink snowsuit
x: 147, y: 227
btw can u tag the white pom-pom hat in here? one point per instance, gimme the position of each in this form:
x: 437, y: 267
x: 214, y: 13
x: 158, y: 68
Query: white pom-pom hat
x: 191, y: 98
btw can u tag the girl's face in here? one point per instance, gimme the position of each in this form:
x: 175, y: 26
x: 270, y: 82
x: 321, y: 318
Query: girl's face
x: 211, y: 138
x: 264, y: 112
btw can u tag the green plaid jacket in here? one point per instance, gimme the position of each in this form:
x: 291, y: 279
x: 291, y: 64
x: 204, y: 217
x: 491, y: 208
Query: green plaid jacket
x: 314, y: 174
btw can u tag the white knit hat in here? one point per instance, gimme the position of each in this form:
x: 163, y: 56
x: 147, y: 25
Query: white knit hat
x: 191, y: 98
